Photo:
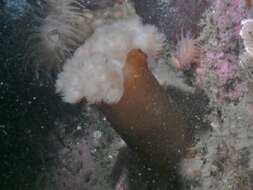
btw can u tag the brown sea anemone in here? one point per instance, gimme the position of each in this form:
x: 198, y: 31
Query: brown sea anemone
x: 187, y: 53
x: 145, y: 118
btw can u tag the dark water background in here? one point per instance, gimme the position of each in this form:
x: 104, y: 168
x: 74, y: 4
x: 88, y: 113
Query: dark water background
x: 28, y: 106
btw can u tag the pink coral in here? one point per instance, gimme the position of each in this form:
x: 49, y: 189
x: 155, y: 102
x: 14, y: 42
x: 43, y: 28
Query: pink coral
x: 218, y: 70
x: 225, y: 70
x: 238, y: 89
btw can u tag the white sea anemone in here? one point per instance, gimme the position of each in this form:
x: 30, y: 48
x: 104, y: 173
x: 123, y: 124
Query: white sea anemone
x: 95, y: 70
x: 56, y: 36
x: 64, y: 25
x: 246, y: 34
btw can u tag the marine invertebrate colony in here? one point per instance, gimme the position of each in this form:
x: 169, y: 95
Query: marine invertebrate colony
x: 111, y: 70
x: 224, y: 152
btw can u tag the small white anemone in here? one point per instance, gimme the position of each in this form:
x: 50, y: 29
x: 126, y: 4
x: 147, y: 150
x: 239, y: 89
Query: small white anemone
x: 95, y: 70
x: 246, y: 34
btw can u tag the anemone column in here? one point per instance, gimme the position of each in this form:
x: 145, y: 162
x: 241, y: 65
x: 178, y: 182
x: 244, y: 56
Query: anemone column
x: 145, y: 116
